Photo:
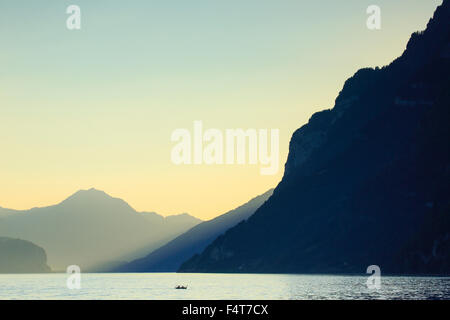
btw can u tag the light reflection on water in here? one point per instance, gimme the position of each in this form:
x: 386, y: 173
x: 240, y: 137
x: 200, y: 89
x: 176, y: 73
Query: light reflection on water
x: 156, y: 286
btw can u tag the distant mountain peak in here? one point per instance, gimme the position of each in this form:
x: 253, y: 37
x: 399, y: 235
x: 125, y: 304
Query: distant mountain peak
x: 92, y: 229
x: 94, y: 197
x: 180, y: 214
x: 184, y: 214
x: 182, y: 217
x: 92, y: 191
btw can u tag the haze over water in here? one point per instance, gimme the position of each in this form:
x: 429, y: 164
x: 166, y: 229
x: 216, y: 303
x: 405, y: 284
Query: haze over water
x: 158, y: 286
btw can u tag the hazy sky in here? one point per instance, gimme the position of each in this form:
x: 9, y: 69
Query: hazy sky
x: 96, y: 107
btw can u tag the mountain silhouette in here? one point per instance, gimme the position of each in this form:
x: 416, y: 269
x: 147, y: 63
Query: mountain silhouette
x: 19, y: 256
x: 169, y: 257
x: 92, y: 230
x: 365, y: 183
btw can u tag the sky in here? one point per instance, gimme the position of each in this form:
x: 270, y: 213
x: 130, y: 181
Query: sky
x: 96, y: 107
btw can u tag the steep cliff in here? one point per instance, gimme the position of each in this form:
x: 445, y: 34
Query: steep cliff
x: 366, y: 182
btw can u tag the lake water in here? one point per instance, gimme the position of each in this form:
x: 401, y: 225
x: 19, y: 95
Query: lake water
x: 156, y: 286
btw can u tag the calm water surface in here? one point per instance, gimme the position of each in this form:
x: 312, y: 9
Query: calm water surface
x: 220, y: 286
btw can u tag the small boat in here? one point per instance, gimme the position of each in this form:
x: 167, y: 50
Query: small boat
x: 180, y: 287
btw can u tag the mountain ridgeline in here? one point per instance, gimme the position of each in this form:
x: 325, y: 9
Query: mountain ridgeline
x: 92, y: 230
x: 365, y: 183
x: 169, y: 257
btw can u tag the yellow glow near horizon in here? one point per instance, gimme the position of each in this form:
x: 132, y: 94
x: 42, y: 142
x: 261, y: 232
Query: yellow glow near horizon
x: 96, y: 107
